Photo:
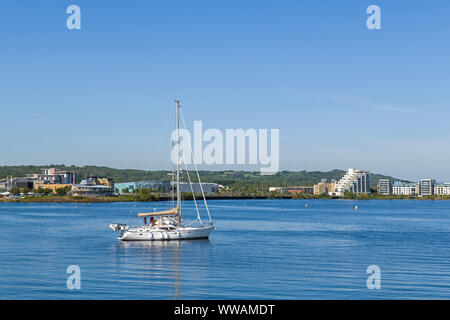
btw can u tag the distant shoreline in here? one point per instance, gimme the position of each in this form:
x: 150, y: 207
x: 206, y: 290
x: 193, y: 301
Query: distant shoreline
x: 131, y: 198
x: 69, y: 199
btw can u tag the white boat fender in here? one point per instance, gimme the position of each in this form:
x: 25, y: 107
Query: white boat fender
x: 118, y: 226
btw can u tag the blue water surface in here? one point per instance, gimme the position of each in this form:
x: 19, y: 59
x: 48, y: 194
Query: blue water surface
x: 261, y: 249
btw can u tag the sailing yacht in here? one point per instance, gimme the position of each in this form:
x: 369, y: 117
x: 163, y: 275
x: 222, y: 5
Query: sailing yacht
x: 168, y: 224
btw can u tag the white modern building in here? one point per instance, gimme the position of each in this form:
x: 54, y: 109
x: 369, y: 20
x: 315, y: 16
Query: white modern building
x: 357, y: 181
x: 442, y: 189
x: 54, y: 176
x: 405, y: 189
x: 384, y: 186
x: 426, y: 187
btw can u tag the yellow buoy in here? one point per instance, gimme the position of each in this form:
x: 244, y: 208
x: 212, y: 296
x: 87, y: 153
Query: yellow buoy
x: 356, y: 207
x: 306, y: 205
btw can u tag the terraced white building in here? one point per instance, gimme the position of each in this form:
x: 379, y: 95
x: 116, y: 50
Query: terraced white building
x: 356, y: 181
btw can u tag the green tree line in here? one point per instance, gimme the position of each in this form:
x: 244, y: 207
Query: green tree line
x: 239, y: 181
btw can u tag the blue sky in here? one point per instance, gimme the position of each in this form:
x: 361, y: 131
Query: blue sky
x: 341, y: 95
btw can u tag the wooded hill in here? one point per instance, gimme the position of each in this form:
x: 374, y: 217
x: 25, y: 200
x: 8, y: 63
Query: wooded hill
x: 239, y: 179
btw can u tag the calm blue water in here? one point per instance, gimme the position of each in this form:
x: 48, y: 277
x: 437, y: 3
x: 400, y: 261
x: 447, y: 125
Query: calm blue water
x: 262, y: 249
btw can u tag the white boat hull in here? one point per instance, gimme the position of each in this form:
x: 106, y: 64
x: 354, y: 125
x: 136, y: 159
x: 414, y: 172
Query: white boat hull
x: 155, y: 234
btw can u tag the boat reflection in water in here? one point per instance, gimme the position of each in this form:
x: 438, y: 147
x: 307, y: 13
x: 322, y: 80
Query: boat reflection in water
x: 161, y: 266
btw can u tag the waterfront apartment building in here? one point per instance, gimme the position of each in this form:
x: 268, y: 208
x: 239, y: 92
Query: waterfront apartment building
x: 442, y: 189
x: 56, y: 176
x: 384, y: 187
x: 324, y: 187
x: 93, y: 186
x: 405, y: 189
x: 426, y: 187
x: 53, y: 176
x: 54, y: 187
x: 356, y: 181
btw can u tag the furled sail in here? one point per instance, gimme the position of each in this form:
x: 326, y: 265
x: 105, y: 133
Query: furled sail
x: 172, y: 212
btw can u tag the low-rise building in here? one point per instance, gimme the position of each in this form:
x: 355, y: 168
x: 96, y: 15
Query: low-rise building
x: 442, y: 189
x: 100, y: 181
x: 405, y: 189
x: 16, y: 183
x: 81, y: 190
x: 324, y: 187
x: 4, y: 185
x: 23, y: 183
x: 300, y: 189
x: 207, y: 187
x: 54, y: 187
x: 91, y: 187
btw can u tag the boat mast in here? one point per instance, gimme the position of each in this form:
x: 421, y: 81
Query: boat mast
x: 177, y: 104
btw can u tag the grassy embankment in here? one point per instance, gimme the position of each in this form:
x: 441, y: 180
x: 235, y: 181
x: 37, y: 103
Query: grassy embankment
x: 59, y: 199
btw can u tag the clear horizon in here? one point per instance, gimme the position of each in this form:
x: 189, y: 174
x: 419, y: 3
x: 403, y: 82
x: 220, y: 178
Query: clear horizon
x: 342, y: 96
